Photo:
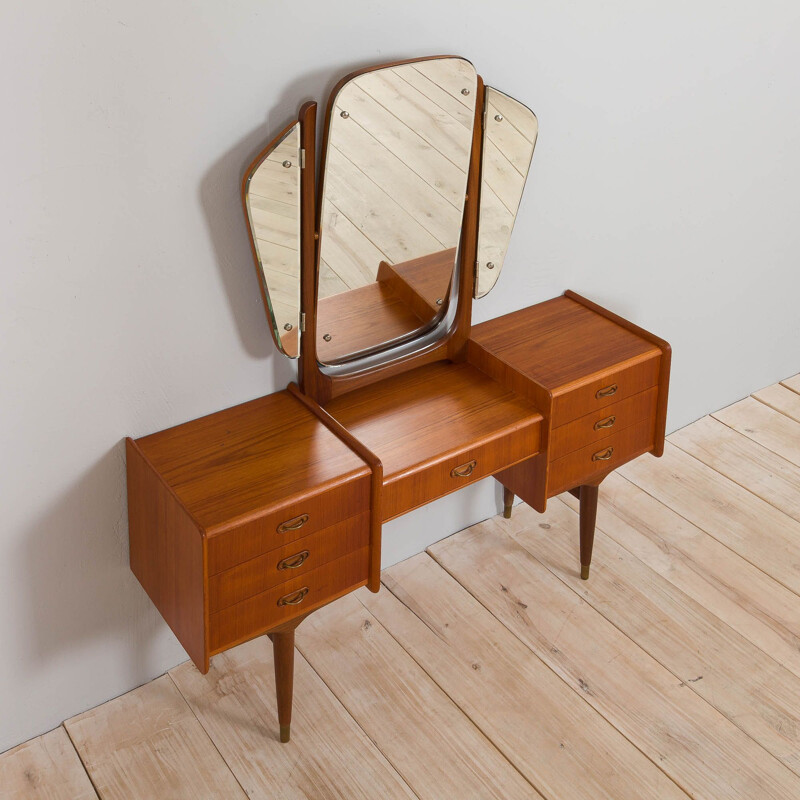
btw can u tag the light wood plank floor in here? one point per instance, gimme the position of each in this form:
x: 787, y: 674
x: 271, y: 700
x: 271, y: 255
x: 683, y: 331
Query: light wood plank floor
x: 485, y: 668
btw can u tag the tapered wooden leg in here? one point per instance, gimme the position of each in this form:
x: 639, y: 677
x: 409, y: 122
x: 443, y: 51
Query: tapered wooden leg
x: 283, y: 651
x: 508, y: 501
x: 588, y: 497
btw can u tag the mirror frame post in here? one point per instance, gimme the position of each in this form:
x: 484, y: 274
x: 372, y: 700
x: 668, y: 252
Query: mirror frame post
x: 308, y: 372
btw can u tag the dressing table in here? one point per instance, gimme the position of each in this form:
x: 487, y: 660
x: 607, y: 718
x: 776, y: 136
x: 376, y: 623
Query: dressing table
x: 245, y: 521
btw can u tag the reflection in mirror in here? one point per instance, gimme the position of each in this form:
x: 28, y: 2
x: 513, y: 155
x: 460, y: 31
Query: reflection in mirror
x: 398, y: 153
x: 509, y: 137
x: 272, y: 200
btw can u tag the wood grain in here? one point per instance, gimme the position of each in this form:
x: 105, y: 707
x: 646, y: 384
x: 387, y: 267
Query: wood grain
x: 376, y: 481
x: 267, y: 456
x: 435, y: 748
x: 564, y: 747
x: 265, y: 571
x: 792, y: 383
x: 148, y: 743
x: 743, y: 460
x: 739, y: 594
x: 235, y: 703
x: 262, y: 612
x: 782, y: 399
x: 665, y: 363
x: 582, y: 466
x: 425, y: 422
x: 764, y: 425
x: 750, y: 688
x: 725, y: 510
x: 168, y: 553
x: 561, y: 342
x: 675, y: 728
x: 598, y: 425
x: 44, y: 768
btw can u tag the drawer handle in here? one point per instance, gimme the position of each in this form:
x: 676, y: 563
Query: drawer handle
x: 293, y: 562
x: 608, y: 422
x: 295, y: 598
x: 464, y: 471
x: 607, y: 392
x: 293, y: 524
x: 603, y: 455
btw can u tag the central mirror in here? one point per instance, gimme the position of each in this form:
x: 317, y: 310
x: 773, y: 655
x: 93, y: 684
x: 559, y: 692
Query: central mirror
x: 394, y: 184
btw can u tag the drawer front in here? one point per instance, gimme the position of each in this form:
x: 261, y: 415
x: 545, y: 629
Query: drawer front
x: 288, y: 562
x: 454, y: 472
x: 286, y: 524
x: 598, y: 394
x: 602, y: 423
x: 604, y: 456
x: 281, y: 603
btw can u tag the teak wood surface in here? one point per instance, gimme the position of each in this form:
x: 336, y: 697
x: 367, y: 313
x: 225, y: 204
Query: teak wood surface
x: 245, y: 521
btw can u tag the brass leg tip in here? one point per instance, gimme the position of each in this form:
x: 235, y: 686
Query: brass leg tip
x: 584, y: 572
x: 507, y: 512
x: 285, y: 733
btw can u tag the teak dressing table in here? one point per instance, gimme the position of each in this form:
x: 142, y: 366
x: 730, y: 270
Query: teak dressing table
x: 245, y: 521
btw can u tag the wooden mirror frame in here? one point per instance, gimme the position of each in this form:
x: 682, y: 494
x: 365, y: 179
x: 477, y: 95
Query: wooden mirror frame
x: 315, y: 383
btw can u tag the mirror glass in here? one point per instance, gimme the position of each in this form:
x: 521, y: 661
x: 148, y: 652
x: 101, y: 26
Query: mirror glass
x: 392, y: 204
x: 272, y: 201
x: 509, y: 136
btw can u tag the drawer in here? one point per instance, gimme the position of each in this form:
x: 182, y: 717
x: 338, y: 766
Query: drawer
x: 603, y: 456
x: 585, y: 398
x: 266, y: 610
x: 290, y: 561
x: 602, y: 423
x: 294, y: 520
x: 432, y: 480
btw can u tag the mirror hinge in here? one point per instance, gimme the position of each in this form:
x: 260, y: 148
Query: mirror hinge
x: 303, y: 322
x: 302, y: 158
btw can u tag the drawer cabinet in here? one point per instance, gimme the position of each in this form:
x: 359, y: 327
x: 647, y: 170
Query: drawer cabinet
x: 288, y: 562
x: 598, y: 458
x: 602, y: 422
x: 600, y: 381
x: 245, y: 519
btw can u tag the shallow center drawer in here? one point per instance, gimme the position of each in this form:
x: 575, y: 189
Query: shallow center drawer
x: 415, y: 487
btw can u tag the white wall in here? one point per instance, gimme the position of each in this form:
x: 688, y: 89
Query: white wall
x: 665, y: 185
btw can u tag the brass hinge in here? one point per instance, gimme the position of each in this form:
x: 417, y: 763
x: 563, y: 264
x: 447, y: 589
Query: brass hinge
x: 303, y: 322
x: 302, y: 158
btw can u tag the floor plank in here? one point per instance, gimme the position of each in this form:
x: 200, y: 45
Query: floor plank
x: 46, y: 767
x: 723, y: 509
x: 751, y: 465
x: 148, y: 744
x: 782, y: 399
x: 554, y: 737
x: 675, y: 728
x: 750, y: 688
x: 431, y: 743
x: 764, y: 425
x: 792, y: 383
x: 739, y: 594
x: 235, y: 703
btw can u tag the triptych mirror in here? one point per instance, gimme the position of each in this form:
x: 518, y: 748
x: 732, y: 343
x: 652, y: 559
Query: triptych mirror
x: 395, y: 164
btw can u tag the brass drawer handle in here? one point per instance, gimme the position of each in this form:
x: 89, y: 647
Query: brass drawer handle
x: 293, y: 524
x: 608, y: 422
x: 607, y: 392
x: 293, y: 562
x: 464, y: 471
x: 603, y: 455
x: 295, y: 598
